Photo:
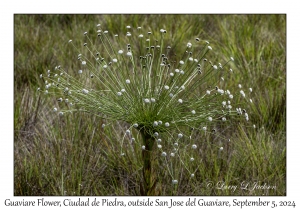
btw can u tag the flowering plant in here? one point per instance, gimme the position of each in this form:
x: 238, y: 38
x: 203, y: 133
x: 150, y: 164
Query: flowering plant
x: 167, y: 97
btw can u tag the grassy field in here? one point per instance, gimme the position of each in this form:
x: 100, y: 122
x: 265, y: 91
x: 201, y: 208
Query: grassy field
x: 73, y: 155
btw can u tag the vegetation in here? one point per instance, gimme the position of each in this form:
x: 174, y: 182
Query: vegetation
x: 75, y: 154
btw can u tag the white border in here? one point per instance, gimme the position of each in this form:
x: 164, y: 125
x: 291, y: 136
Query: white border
x: 8, y: 8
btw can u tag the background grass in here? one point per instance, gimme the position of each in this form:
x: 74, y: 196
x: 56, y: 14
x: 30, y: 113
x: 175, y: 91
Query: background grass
x: 75, y: 156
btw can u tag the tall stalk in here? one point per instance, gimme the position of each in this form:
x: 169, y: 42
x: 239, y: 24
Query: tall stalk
x: 149, y: 180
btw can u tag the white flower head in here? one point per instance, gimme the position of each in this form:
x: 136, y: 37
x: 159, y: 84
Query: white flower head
x: 120, y: 51
x: 221, y: 91
x: 143, y: 147
x: 250, y: 89
x: 55, y: 109
x: 167, y: 124
x: 129, y: 54
x: 159, y: 122
x: 79, y: 71
x: 146, y: 100
x: 189, y: 45
x: 119, y: 93
x: 181, y: 62
x: 221, y: 148
x: 127, y: 131
x: 156, y: 134
x: 193, y: 112
x: 243, y: 93
x: 194, y: 146
x: 204, y: 128
x: 85, y: 91
x: 172, y: 154
x: 155, y: 123
x: 240, y: 86
x: 208, y: 92
x: 127, y: 81
x: 164, y: 154
x: 180, y: 135
x: 174, y: 181
x: 167, y: 87
x: 115, y: 60
x: 209, y: 119
x: 135, y: 125
x: 159, y: 146
x: 209, y: 47
x: 141, y: 35
x: 192, y: 159
x: 83, y: 62
x: 180, y: 101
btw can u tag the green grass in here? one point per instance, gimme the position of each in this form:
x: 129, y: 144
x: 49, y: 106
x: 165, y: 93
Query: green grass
x: 75, y: 156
